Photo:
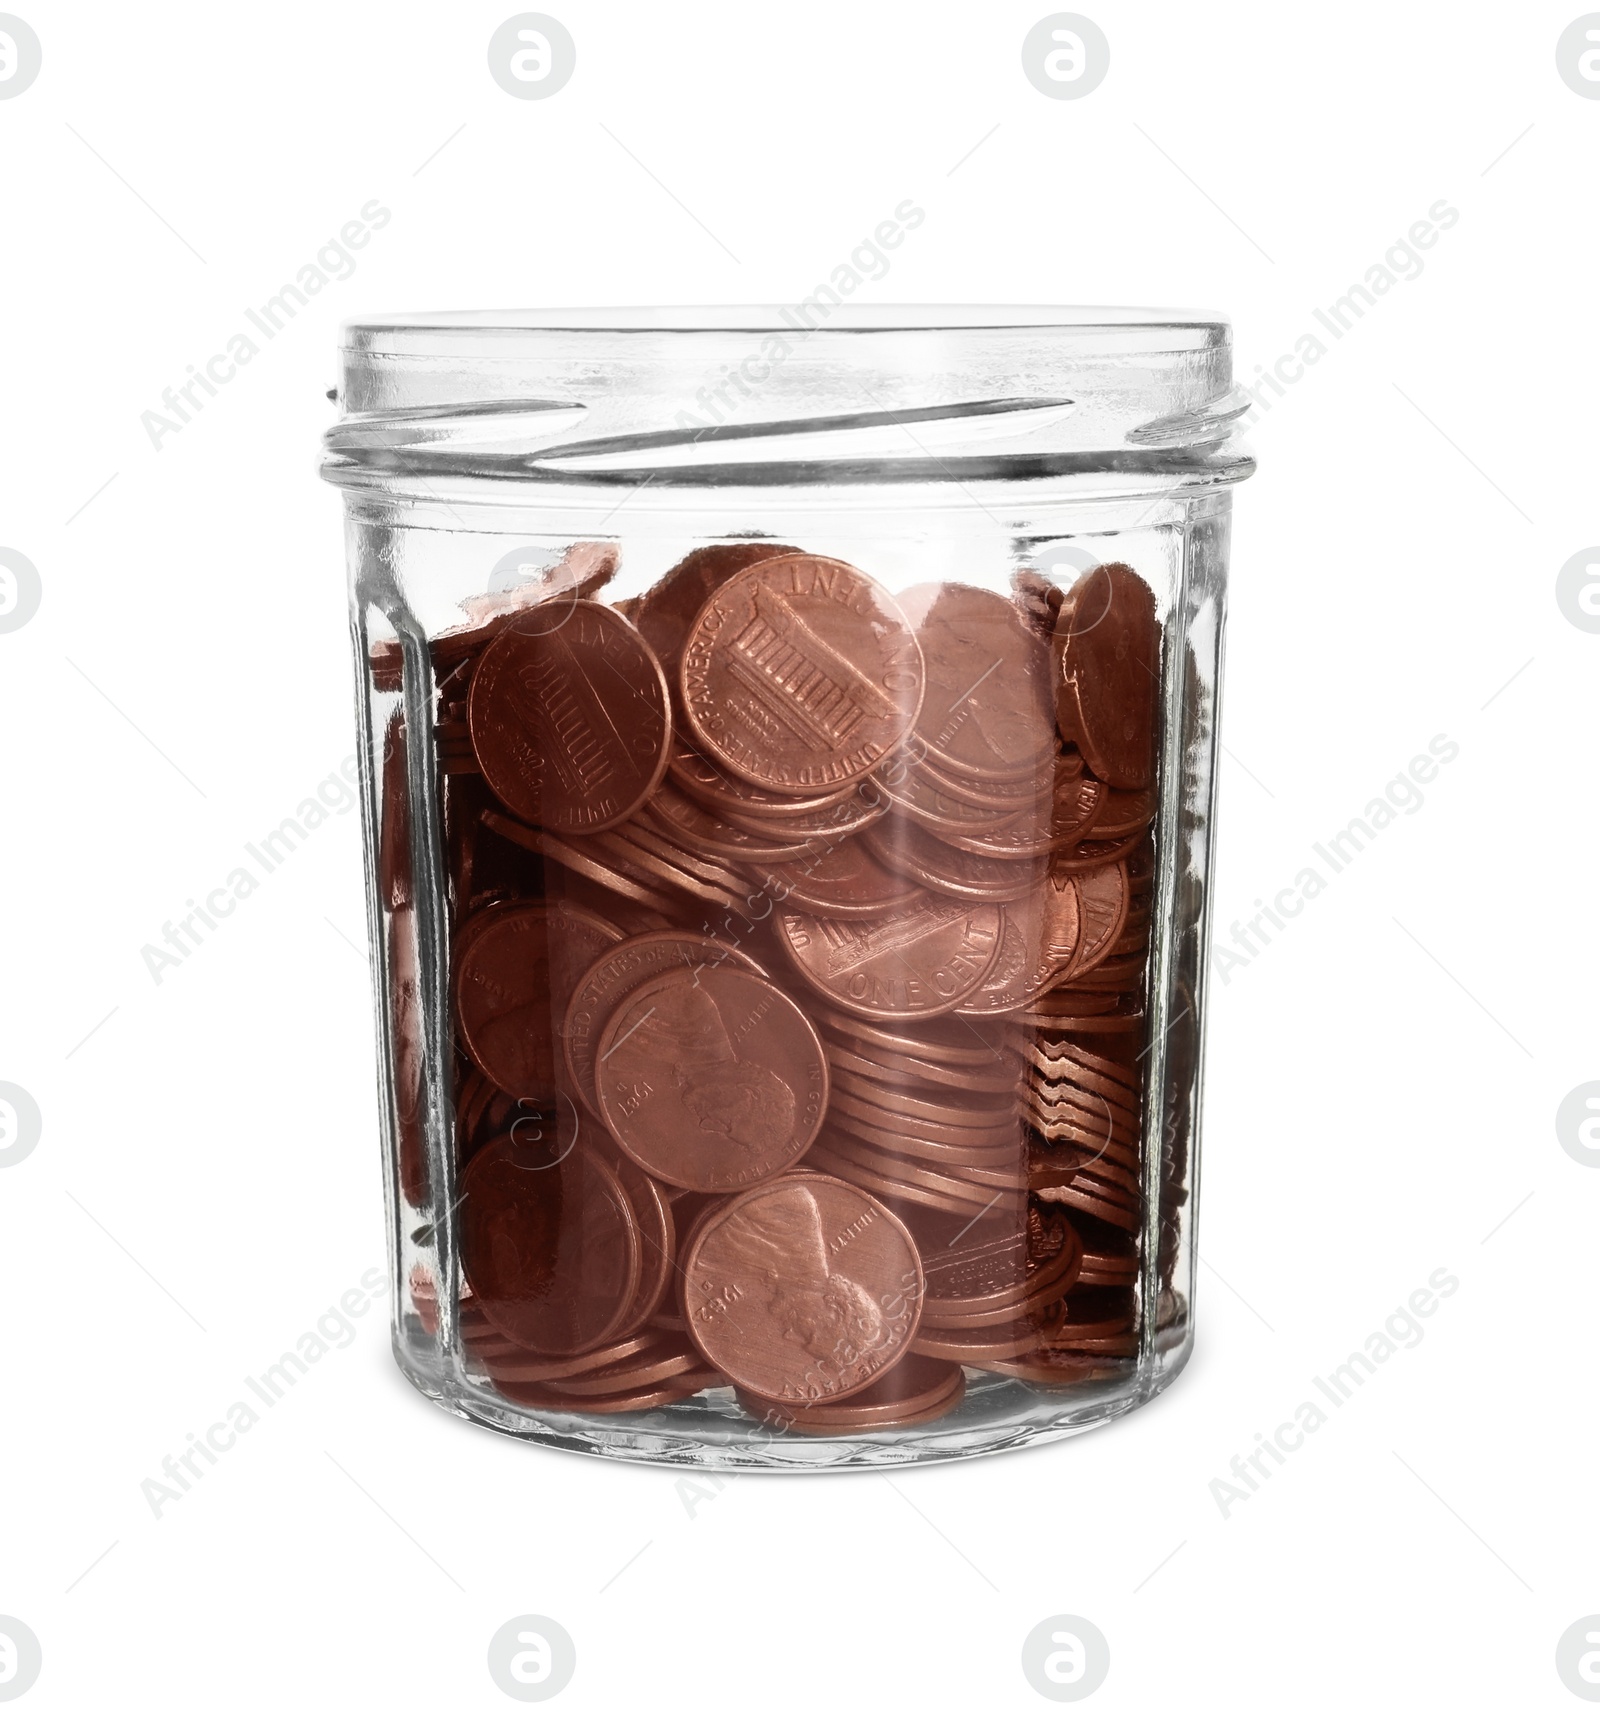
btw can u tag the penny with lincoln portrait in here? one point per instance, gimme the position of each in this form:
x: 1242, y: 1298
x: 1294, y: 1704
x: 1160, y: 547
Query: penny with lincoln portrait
x: 805, y: 1289
x: 711, y: 1080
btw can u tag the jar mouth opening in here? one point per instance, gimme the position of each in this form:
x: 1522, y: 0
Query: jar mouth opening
x: 1184, y: 327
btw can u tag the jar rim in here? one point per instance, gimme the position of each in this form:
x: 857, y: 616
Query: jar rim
x: 1201, y: 326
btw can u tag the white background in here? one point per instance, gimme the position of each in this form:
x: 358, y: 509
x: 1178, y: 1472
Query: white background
x: 1383, y: 1080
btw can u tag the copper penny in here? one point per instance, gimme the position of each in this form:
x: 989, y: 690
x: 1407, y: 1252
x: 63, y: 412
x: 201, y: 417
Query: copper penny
x: 1108, y: 641
x: 1125, y: 813
x: 986, y: 1275
x: 987, y: 707
x: 920, y: 854
x: 549, y: 1247
x: 907, y: 1142
x: 980, y: 1347
x: 912, y: 1175
x: 1091, y: 854
x: 394, y: 818
x: 1103, y: 906
x: 895, y: 1190
x: 569, y: 717
x: 663, y: 1359
x: 801, y: 674
x: 652, y: 1210
x: 1050, y: 1371
x: 1080, y: 1199
x: 922, y: 797
x: 1116, y: 1071
x: 634, y: 859
x: 706, y: 832
x: 503, y: 1000
x: 616, y: 974
x: 518, y: 1366
x: 950, y: 1041
x: 841, y: 880
x: 639, y: 840
x: 886, y: 1068
x: 711, y: 1080
x: 902, y: 1395
x: 999, y: 795
x: 669, y: 608
x: 804, y: 1289
x: 546, y: 1396
x: 582, y: 863
x: 405, y: 1016
x: 858, y: 809
x: 727, y: 794
x: 581, y: 571
x: 1061, y: 821
x: 964, y: 1122
x: 1039, y: 939
x: 921, y: 960
x: 1120, y: 1098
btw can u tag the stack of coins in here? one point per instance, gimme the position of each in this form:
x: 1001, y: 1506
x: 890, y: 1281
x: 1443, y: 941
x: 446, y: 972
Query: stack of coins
x: 798, y: 945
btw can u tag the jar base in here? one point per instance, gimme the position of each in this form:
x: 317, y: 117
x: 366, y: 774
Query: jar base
x: 710, y: 1432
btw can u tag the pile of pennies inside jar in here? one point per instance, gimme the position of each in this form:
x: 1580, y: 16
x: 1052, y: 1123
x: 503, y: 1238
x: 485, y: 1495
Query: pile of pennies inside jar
x: 797, y: 940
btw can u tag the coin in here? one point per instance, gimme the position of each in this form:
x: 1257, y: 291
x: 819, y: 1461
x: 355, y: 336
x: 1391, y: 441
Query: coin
x: 503, y: 999
x: 638, y: 841
x: 549, y: 1398
x: 927, y: 801
x: 711, y: 1080
x: 897, y: 1191
x: 549, y: 1248
x: 1081, y: 1198
x: 702, y: 829
x: 1062, y: 820
x: 1040, y: 938
x: 652, y: 1210
x: 663, y: 1359
x: 911, y: 1098
x: 617, y: 973
x: 801, y: 674
x: 918, y: 853
x: 992, y: 1274
x: 1001, y: 795
x: 518, y: 1366
x: 843, y: 880
x: 1108, y: 640
x: 569, y: 718
x: 951, y: 1040
x: 958, y: 1184
x: 885, y: 1065
x: 987, y: 707
x: 1091, y: 854
x: 726, y: 794
x: 394, y: 818
x: 405, y: 1020
x: 909, y: 1141
x: 1125, y: 813
x: 1046, y: 1048
x: 980, y: 1347
x: 912, y: 1391
x: 609, y: 876
x: 636, y: 860
x: 921, y: 960
x: 855, y: 810
x: 894, y: 1113
x: 669, y: 608
x: 804, y: 1289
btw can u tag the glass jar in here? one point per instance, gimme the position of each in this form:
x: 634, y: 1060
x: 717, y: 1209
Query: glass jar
x: 788, y: 744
